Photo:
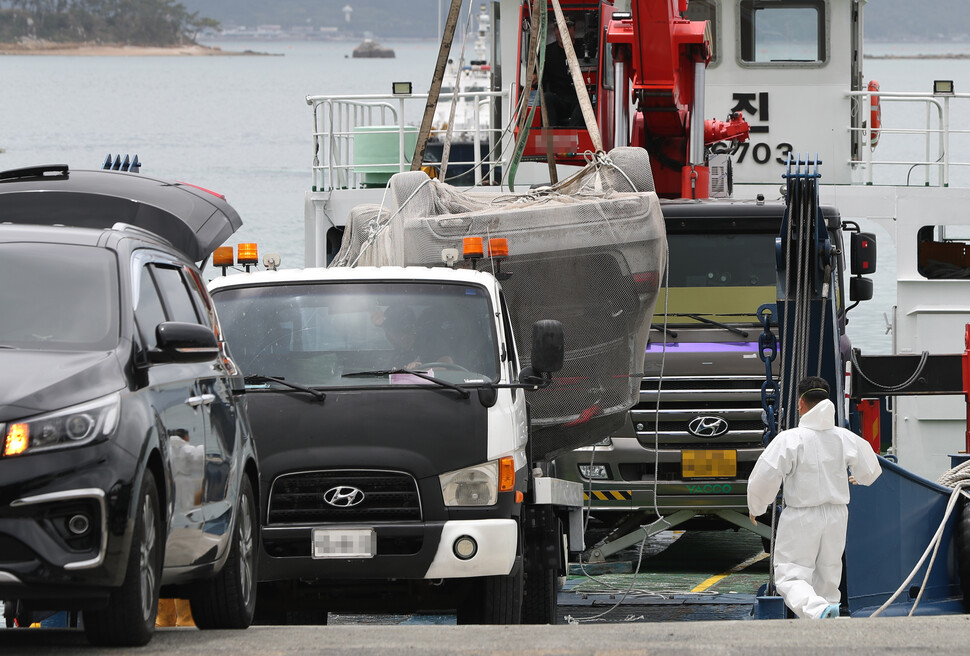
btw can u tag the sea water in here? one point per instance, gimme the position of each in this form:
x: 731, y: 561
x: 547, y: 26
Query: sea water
x: 240, y: 126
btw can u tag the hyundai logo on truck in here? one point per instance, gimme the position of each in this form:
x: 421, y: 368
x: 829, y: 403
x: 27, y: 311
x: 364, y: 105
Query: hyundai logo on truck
x: 707, y: 426
x: 343, y: 496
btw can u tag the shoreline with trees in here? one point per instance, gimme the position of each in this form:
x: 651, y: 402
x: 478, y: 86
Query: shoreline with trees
x: 37, y: 25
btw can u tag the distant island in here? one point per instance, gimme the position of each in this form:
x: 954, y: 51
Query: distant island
x: 41, y: 25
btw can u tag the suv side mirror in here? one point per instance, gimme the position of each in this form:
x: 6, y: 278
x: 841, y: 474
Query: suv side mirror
x: 183, y: 342
x: 547, y: 346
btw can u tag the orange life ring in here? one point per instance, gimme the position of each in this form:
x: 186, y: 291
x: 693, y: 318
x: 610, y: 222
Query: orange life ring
x: 875, y: 117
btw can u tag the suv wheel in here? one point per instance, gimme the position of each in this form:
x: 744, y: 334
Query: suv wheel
x: 129, y: 619
x: 228, y: 600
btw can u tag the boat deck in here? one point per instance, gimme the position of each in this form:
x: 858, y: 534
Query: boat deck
x: 683, y: 576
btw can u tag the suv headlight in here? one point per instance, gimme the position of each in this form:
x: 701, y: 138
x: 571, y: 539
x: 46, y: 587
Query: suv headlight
x: 74, y: 426
x: 472, y: 486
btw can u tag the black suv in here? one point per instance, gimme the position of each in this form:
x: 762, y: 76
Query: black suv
x: 127, y: 466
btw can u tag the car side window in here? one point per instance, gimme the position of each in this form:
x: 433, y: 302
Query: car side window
x: 148, y: 308
x: 203, y: 302
x: 175, y: 294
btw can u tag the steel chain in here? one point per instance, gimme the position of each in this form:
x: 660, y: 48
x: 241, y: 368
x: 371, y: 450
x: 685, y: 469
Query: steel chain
x: 768, y: 351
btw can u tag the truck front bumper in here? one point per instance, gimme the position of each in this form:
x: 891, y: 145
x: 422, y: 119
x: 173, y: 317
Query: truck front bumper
x: 423, y: 550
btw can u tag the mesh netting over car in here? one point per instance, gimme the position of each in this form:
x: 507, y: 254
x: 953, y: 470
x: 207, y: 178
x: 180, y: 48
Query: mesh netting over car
x: 589, y: 252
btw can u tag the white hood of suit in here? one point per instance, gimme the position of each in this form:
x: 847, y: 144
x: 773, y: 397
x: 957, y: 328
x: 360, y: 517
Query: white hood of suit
x: 820, y: 417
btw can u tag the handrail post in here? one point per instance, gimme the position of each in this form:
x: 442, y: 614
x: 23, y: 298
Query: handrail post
x: 868, y: 140
x: 945, y: 140
x: 477, y: 156
x: 927, y: 157
x: 400, y: 137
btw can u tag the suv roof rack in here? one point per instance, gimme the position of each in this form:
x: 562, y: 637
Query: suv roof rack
x: 43, y: 171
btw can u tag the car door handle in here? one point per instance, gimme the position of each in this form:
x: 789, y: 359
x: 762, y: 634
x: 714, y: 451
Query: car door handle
x: 202, y: 399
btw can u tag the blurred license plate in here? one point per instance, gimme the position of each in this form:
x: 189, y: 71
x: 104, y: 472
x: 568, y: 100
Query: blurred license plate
x: 344, y: 543
x: 710, y: 463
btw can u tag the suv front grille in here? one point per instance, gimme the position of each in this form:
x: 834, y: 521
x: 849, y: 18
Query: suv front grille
x: 387, y: 496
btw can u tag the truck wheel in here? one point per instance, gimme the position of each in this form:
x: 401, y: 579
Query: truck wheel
x: 228, y: 600
x: 493, y: 600
x: 540, y: 598
x: 129, y: 619
x: 543, y: 535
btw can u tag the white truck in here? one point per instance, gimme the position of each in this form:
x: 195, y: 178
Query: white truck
x: 392, y: 427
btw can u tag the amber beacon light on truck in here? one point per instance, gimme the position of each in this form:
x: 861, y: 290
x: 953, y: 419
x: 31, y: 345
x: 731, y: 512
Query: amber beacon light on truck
x: 473, y: 249
x: 246, y: 256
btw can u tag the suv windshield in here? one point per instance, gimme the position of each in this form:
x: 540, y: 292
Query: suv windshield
x: 58, y: 297
x: 741, y: 267
x: 348, y: 334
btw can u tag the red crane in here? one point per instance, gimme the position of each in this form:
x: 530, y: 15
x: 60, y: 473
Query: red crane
x: 644, y: 72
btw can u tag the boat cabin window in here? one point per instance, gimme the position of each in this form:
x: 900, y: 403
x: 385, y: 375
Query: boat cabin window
x: 699, y: 10
x: 782, y: 32
x: 944, y: 252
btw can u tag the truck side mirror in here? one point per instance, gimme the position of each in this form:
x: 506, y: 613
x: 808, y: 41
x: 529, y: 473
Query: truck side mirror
x: 547, y: 346
x: 862, y: 255
x: 860, y: 289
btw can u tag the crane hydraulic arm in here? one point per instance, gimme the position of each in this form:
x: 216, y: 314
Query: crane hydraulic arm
x: 667, y: 56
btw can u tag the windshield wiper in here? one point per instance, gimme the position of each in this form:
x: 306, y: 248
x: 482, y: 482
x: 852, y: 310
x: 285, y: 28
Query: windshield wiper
x: 464, y: 393
x: 670, y: 333
x: 697, y: 317
x: 259, y: 378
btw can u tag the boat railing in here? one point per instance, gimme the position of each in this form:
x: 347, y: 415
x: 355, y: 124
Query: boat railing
x: 360, y: 141
x: 915, y: 143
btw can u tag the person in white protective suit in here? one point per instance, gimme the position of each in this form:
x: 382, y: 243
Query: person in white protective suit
x: 812, y: 461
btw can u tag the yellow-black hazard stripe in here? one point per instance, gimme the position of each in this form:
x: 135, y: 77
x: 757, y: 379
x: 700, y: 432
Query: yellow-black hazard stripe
x: 609, y: 495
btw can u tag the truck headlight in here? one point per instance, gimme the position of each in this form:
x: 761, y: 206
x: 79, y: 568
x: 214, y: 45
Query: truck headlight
x: 472, y: 486
x: 74, y: 426
x: 597, y: 472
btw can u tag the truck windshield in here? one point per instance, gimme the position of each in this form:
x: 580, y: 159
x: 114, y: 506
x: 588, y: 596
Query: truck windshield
x: 58, y: 297
x: 724, y: 277
x: 316, y: 334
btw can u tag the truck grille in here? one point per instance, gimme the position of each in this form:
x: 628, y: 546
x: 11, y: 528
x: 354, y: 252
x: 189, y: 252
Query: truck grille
x: 387, y: 496
x: 735, y: 399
